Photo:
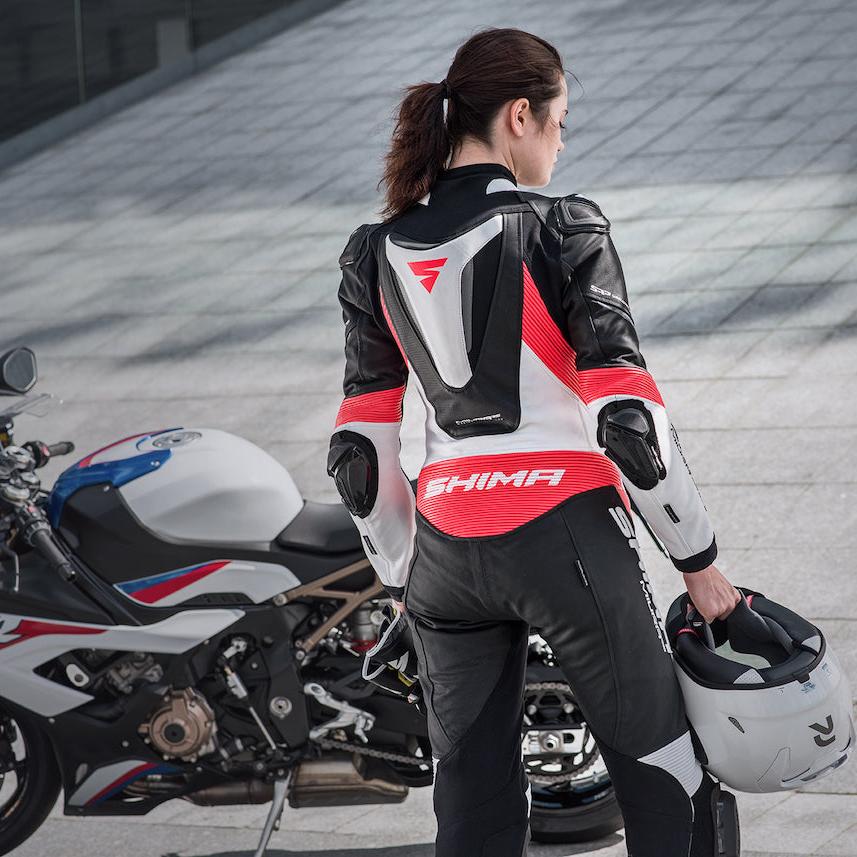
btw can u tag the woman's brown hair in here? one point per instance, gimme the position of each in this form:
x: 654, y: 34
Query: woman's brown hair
x: 492, y: 67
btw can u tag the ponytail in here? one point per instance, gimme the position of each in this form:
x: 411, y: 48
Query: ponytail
x: 420, y: 146
x: 490, y: 68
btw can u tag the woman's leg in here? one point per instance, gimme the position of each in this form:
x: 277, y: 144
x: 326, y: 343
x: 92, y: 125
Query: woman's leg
x: 600, y: 620
x: 472, y: 669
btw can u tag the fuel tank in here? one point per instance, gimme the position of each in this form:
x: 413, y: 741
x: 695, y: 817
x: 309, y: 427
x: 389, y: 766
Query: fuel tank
x: 202, y: 485
x: 198, y: 517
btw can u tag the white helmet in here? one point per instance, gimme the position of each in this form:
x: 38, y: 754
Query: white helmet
x: 764, y: 692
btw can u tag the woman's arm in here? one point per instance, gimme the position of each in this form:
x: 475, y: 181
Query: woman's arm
x: 627, y: 411
x: 364, y: 447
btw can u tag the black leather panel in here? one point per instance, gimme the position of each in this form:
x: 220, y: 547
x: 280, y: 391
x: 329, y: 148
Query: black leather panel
x: 492, y: 391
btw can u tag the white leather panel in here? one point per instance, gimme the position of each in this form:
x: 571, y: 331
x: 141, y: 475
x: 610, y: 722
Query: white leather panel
x: 551, y: 418
x: 432, y: 293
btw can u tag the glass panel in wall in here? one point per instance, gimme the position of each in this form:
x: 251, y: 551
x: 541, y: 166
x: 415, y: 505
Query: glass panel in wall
x: 123, y: 39
x: 215, y: 18
x: 38, y: 64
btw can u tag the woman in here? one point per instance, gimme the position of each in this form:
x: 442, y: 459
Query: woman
x: 508, y: 311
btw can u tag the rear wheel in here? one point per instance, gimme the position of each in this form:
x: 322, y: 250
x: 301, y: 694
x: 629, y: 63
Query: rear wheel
x: 29, y: 779
x: 572, y: 797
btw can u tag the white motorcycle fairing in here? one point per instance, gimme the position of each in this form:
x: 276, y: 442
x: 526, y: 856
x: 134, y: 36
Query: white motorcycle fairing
x: 259, y: 581
x: 28, y: 642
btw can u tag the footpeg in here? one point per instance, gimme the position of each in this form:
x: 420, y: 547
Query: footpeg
x: 727, y: 835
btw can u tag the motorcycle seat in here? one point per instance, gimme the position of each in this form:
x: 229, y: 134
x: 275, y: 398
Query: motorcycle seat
x: 321, y: 528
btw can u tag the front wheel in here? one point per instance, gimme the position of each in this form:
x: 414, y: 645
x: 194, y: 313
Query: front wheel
x: 572, y: 797
x: 29, y: 779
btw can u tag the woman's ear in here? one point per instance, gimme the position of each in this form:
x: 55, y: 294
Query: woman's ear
x: 518, y: 110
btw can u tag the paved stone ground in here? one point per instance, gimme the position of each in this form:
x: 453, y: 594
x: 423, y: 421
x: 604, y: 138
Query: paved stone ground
x: 176, y: 265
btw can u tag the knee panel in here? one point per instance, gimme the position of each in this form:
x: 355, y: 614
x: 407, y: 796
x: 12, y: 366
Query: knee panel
x: 353, y: 463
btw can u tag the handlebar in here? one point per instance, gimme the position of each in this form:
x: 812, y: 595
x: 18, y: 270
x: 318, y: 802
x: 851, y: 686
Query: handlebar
x: 64, y: 447
x: 42, y: 452
x: 37, y: 532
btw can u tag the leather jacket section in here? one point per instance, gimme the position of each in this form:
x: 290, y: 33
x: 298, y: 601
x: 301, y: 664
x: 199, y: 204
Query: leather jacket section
x: 509, y: 313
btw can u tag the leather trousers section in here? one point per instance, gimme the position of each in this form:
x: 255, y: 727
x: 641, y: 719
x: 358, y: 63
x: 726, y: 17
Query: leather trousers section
x: 573, y: 575
x: 661, y: 819
x: 474, y: 698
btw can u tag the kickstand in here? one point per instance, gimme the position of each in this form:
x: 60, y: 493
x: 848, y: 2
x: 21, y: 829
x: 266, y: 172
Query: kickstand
x: 272, y: 822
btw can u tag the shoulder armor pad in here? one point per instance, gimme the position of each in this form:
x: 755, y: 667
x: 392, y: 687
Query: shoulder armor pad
x: 573, y: 213
x: 357, y: 244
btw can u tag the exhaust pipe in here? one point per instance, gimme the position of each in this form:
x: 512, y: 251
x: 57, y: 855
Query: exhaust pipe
x: 343, y: 779
x: 228, y: 794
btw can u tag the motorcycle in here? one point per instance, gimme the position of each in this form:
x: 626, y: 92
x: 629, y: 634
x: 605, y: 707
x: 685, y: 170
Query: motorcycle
x: 177, y: 621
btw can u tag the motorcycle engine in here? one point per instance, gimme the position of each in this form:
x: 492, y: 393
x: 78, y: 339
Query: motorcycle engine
x: 183, y: 727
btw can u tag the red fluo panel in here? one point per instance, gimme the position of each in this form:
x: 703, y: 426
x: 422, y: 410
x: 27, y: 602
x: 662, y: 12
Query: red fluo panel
x: 484, y: 495
x: 382, y: 406
x: 540, y: 333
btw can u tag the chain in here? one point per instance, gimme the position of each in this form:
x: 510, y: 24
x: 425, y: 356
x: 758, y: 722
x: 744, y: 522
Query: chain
x: 333, y: 744
x: 549, y: 685
x: 417, y: 761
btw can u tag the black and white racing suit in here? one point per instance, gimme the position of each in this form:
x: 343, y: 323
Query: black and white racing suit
x: 508, y: 311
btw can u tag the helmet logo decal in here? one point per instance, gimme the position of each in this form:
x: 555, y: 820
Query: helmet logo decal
x: 620, y: 516
x: 427, y: 271
x: 826, y: 729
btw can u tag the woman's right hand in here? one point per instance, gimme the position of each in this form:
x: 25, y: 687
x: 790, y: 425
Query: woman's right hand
x: 711, y: 593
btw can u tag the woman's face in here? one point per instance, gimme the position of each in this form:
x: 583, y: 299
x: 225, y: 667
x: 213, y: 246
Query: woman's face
x: 534, y: 149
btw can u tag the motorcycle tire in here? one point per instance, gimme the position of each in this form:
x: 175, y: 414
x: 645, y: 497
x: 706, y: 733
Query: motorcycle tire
x: 551, y: 822
x: 37, y: 786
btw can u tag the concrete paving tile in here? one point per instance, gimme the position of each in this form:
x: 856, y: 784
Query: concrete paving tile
x: 782, y: 352
x: 835, y: 357
x: 755, y: 402
x: 802, y: 824
x: 770, y: 455
x: 695, y: 232
x: 750, y: 229
x: 644, y: 271
x: 791, y: 575
x: 704, y: 267
x: 652, y: 309
x: 704, y: 311
x: 694, y: 357
x: 818, y: 264
x: 768, y: 307
x: 846, y: 229
x: 758, y: 266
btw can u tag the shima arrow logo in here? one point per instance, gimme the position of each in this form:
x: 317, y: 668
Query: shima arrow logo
x: 427, y: 271
x: 824, y: 729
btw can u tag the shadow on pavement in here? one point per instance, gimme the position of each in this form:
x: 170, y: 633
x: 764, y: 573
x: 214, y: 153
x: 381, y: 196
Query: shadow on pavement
x: 420, y: 850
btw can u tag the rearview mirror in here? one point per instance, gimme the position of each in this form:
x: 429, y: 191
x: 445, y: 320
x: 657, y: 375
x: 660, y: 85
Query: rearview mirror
x: 18, y: 371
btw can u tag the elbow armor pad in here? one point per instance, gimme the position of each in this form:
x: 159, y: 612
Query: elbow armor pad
x: 627, y: 431
x: 353, y: 463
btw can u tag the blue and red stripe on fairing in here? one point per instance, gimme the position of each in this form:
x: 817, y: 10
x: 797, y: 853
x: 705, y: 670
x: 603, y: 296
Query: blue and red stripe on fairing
x: 150, y: 590
x: 117, y: 785
x: 116, y: 473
